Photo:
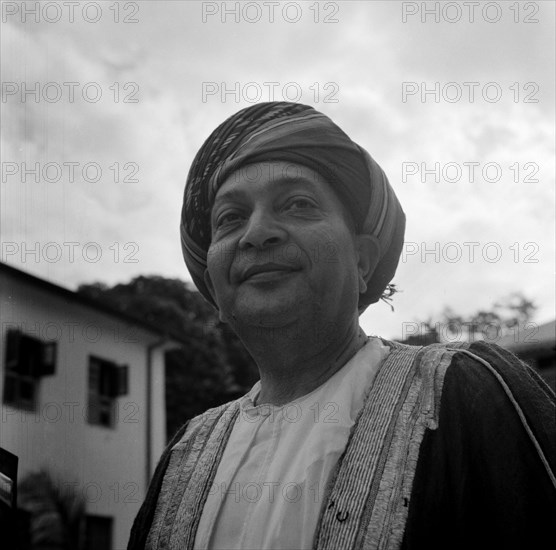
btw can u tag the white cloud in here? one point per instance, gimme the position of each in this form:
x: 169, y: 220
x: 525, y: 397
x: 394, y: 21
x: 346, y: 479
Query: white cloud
x: 368, y: 54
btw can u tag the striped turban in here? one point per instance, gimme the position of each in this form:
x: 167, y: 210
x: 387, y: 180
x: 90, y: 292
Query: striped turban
x: 291, y: 132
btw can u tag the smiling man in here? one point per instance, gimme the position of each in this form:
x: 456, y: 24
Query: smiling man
x: 291, y: 230
x: 285, y: 261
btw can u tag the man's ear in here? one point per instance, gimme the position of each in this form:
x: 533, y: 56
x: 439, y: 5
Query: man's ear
x: 368, y: 255
x: 210, y: 288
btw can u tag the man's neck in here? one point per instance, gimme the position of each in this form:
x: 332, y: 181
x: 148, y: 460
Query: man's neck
x: 292, y: 366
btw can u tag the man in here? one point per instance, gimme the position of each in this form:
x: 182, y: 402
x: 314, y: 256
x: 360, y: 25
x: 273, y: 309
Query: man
x: 291, y: 230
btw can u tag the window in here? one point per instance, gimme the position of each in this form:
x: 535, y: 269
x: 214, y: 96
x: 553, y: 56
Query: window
x: 107, y: 381
x: 26, y: 360
x: 98, y: 532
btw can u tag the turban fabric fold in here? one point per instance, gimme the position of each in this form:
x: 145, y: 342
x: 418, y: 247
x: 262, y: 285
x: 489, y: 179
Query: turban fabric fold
x: 293, y: 133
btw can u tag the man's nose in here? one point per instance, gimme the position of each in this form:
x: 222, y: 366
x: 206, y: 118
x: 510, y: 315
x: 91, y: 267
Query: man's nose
x: 262, y: 230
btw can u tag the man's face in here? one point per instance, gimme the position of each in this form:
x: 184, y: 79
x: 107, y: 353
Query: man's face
x: 281, y: 248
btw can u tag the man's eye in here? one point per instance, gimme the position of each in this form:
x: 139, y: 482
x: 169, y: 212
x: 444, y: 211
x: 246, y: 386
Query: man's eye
x: 300, y: 204
x: 227, y: 219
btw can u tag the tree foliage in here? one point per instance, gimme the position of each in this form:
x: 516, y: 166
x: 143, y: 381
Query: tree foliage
x: 211, y: 367
x: 491, y: 324
x: 56, y: 512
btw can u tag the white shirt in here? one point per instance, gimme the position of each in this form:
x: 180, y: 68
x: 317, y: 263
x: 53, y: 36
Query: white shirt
x: 269, y: 485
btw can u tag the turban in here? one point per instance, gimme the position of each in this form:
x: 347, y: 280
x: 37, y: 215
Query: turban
x: 296, y: 133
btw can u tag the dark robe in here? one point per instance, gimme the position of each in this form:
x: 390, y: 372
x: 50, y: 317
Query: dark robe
x: 485, y: 477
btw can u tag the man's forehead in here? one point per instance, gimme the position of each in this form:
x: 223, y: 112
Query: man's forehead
x: 267, y: 175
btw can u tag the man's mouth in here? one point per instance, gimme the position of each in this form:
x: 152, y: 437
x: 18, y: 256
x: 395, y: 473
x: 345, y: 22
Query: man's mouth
x: 267, y: 272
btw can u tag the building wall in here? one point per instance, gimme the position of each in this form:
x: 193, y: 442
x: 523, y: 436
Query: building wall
x: 106, y: 465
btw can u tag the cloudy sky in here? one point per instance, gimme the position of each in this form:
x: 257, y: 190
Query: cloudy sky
x: 104, y: 109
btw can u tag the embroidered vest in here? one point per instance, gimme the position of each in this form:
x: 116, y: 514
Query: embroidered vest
x: 366, y: 503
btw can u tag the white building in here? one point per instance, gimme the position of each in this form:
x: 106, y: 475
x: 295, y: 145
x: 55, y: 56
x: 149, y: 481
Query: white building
x: 82, y: 392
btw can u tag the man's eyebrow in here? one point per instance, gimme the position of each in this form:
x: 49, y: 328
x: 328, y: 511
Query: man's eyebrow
x: 239, y: 194
x: 231, y: 194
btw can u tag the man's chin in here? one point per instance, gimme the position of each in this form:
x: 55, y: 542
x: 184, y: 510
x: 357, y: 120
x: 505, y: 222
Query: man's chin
x: 266, y: 311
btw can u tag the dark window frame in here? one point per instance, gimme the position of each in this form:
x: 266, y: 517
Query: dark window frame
x: 106, y: 381
x: 92, y: 542
x: 27, y: 359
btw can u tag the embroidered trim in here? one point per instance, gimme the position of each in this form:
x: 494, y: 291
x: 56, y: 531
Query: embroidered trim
x: 351, y: 487
x: 419, y: 412
x: 188, y: 478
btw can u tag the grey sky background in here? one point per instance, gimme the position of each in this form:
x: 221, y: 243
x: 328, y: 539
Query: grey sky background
x: 357, y: 64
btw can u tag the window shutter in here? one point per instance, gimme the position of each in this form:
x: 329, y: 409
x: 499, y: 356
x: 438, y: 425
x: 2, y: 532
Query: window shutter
x: 48, y: 358
x: 122, y: 380
x: 10, y: 388
x: 13, y: 344
x: 94, y: 375
x: 111, y: 373
x: 31, y: 356
x: 93, y: 410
